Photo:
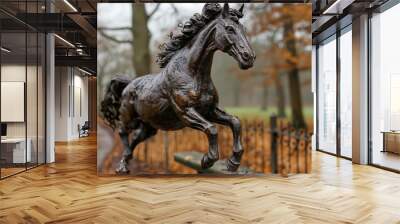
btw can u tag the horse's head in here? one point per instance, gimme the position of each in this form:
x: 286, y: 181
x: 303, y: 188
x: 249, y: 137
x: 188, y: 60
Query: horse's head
x: 230, y: 37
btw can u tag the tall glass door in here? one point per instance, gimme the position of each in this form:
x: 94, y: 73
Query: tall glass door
x: 327, y: 96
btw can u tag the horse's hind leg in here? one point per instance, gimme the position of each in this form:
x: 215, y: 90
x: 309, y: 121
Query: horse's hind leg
x: 142, y: 133
x: 127, y: 123
x: 126, y: 154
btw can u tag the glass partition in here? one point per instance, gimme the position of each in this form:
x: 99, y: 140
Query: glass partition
x: 13, y: 95
x: 327, y: 96
x: 22, y: 77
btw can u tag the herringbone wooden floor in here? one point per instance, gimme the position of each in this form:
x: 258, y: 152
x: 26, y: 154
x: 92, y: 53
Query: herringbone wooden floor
x: 69, y: 191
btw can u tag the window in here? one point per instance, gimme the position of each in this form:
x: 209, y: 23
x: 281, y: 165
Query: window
x: 327, y: 96
x: 385, y: 89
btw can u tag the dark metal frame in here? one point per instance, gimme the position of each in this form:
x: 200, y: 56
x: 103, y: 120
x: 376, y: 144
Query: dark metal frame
x: 369, y: 98
x: 338, y: 98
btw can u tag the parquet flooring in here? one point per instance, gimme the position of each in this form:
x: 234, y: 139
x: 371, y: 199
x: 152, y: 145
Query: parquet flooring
x: 10, y: 171
x: 70, y: 191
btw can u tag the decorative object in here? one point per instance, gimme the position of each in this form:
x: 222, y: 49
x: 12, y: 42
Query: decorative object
x: 182, y: 94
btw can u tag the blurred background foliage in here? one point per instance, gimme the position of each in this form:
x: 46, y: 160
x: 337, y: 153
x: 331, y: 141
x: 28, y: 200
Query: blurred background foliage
x: 279, y: 83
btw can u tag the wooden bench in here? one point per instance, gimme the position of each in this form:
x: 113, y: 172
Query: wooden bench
x: 192, y: 159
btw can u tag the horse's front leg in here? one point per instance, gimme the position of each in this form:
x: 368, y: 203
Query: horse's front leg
x: 221, y: 117
x: 193, y: 119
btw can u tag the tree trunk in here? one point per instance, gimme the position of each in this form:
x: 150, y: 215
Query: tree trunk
x: 281, y: 102
x: 296, y: 102
x: 293, y: 75
x: 141, y: 40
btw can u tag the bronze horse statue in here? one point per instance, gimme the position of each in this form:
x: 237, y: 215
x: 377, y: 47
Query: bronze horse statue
x: 182, y: 94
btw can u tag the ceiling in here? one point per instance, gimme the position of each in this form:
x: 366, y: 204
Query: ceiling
x: 74, y: 22
x: 330, y: 15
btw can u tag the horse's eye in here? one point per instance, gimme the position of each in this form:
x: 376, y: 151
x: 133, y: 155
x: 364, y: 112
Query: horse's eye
x: 230, y: 29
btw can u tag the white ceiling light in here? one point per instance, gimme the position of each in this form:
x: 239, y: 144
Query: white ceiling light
x: 337, y: 7
x: 5, y: 50
x: 70, y: 5
x: 65, y: 41
x: 84, y: 71
x: 79, y: 51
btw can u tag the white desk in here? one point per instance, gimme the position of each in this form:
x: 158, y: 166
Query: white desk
x: 391, y: 141
x: 18, y: 148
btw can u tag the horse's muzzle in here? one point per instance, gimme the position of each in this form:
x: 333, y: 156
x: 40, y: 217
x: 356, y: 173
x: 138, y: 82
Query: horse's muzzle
x: 246, y: 59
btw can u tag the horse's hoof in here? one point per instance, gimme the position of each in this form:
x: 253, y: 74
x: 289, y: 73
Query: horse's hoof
x: 122, y: 169
x: 231, y: 166
x: 206, y: 162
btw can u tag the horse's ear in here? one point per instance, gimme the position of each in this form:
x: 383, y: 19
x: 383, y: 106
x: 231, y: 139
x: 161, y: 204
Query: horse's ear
x: 225, y: 10
x: 241, y: 9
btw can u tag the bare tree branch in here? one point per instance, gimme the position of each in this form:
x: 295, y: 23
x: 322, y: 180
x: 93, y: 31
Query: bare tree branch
x: 154, y: 10
x: 174, y: 8
x: 127, y: 28
x: 109, y: 37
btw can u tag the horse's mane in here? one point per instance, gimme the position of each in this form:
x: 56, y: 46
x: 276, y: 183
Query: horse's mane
x: 187, y: 31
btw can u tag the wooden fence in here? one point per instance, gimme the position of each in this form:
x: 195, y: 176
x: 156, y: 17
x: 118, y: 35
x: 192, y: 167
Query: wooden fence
x: 270, y: 147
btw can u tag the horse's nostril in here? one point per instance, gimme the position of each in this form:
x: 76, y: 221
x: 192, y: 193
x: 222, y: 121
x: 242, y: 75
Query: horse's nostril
x: 246, y: 55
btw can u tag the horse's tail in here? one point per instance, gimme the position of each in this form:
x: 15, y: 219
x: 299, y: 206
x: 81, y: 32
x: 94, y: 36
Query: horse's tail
x: 112, y: 99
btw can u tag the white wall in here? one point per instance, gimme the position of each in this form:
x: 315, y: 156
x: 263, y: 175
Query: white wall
x: 80, y: 100
x: 71, y: 94
x: 62, y: 81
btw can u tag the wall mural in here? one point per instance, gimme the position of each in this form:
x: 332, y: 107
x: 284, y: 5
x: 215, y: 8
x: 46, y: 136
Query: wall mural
x: 170, y: 118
